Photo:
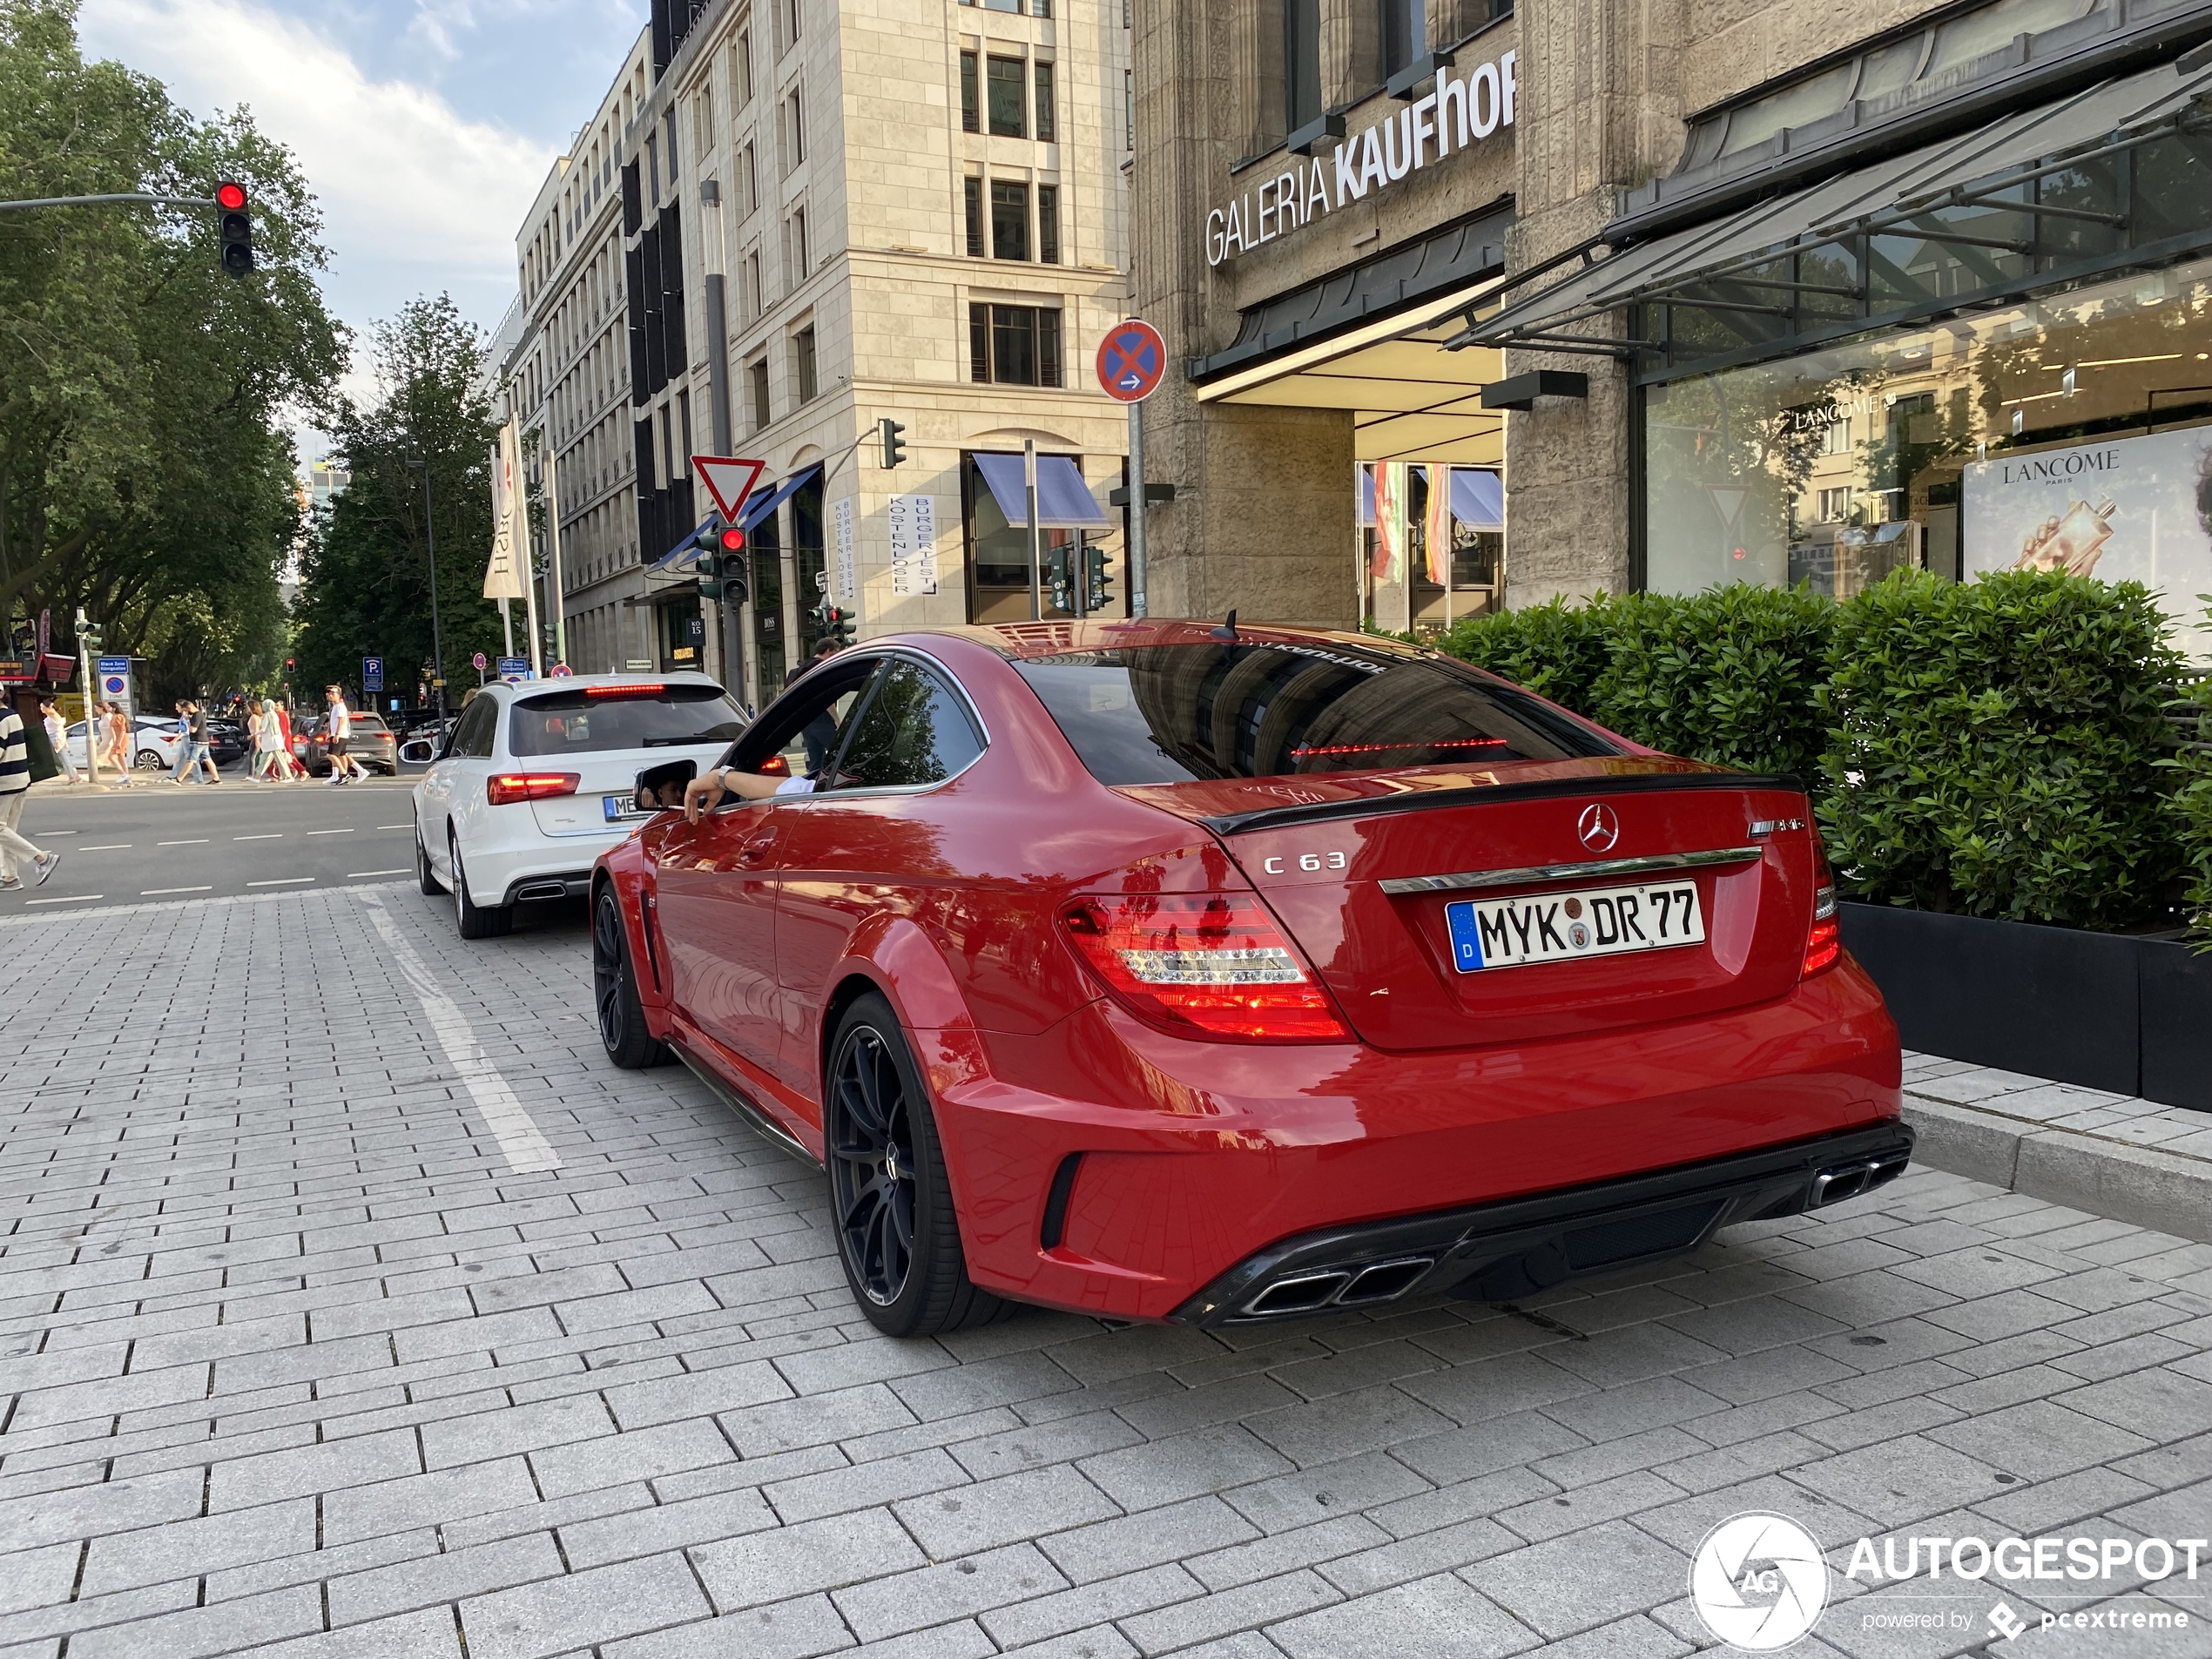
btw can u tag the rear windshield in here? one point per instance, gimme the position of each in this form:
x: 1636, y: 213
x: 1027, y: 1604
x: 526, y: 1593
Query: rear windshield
x: 590, y: 720
x: 1168, y: 714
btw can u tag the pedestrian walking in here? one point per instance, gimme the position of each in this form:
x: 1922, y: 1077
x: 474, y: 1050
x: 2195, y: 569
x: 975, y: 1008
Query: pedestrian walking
x: 292, y: 769
x: 115, y: 741
x: 14, y: 789
x: 57, y: 737
x: 192, y: 752
x: 344, y: 769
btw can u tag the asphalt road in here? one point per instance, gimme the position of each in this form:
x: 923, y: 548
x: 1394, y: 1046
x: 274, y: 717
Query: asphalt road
x: 160, y: 840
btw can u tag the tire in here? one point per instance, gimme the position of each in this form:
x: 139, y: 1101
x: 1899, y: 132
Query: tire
x: 148, y: 761
x: 425, y: 877
x: 614, y: 990
x: 475, y: 921
x: 897, y: 1235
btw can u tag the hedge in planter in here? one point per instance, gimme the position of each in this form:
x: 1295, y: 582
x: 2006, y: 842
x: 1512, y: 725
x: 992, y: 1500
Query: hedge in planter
x: 1727, y: 675
x: 1994, y: 748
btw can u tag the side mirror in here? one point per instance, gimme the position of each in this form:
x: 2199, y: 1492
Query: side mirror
x: 418, y: 751
x: 661, y: 788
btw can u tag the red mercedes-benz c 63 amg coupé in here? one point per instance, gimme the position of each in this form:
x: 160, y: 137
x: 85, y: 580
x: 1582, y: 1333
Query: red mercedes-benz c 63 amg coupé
x: 1166, y: 971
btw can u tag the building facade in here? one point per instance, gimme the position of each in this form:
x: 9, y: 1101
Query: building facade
x: 806, y: 217
x: 1476, y: 304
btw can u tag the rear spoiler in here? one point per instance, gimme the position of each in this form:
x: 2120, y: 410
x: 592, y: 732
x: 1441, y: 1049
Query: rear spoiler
x: 1610, y: 784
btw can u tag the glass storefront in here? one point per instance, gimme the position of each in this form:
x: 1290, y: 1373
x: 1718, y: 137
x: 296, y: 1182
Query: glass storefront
x: 683, y: 633
x: 998, y: 561
x: 2072, y: 432
x: 1461, y: 511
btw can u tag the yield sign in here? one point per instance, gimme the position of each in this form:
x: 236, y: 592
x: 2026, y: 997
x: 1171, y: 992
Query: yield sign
x: 728, y: 480
x: 1131, y: 361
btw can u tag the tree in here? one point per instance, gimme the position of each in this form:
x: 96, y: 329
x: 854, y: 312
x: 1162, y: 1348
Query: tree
x: 364, y: 582
x: 144, y: 472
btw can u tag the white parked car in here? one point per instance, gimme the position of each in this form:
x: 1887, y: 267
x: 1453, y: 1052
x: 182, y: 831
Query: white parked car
x: 153, y: 743
x: 537, y: 778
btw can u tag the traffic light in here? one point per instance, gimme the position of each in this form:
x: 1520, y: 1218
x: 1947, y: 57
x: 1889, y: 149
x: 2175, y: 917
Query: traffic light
x: 832, y: 621
x: 720, y: 563
x: 894, y: 445
x: 93, y: 636
x: 1060, y: 592
x: 1101, y: 581
x: 238, y: 227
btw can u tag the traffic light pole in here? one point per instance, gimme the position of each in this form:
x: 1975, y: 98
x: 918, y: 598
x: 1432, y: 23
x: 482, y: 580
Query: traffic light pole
x: 437, y: 636
x: 143, y: 197
x: 91, y: 741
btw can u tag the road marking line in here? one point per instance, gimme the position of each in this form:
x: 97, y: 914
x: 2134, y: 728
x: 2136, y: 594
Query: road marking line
x: 202, y: 841
x: 280, y: 882
x: 274, y: 836
x: 155, y: 892
x: 358, y: 875
x: 107, y: 846
x: 337, y: 832
x: 71, y: 898
x: 526, y: 1149
x: 380, y: 826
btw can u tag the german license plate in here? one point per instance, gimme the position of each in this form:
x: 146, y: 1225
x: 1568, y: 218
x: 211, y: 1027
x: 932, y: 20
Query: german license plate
x: 621, y: 807
x: 1567, y: 927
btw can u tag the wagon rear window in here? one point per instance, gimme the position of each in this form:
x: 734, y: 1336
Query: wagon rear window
x: 1165, y: 714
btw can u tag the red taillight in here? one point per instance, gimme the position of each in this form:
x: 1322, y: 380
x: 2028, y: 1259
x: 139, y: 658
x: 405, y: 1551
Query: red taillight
x: 1203, y: 964
x: 599, y: 693
x: 1824, y: 939
x: 508, y: 787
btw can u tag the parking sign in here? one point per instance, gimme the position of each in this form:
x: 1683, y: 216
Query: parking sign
x: 372, y: 673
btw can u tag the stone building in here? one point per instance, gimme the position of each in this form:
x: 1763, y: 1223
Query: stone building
x: 791, y: 220
x: 1780, y: 292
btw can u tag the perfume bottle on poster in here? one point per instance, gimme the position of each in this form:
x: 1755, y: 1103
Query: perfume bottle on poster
x: 2071, y: 543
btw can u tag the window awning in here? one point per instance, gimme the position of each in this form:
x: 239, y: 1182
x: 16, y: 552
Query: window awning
x: 1478, y: 498
x: 760, y: 506
x: 2008, y: 208
x: 1064, y: 501
x: 685, y: 553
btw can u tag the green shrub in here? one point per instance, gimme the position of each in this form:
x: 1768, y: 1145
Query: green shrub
x: 1554, y: 649
x: 1729, y: 675
x: 2192, y: 801
x: 1995, y: 747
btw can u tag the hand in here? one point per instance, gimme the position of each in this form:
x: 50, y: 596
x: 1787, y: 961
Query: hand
x: 701, y: 796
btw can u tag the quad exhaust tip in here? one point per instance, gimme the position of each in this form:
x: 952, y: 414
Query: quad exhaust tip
x: 541, y: 890
x: 1350, y: 1286
x: 1844, y: 1181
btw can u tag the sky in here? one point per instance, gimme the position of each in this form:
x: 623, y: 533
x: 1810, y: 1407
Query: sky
x: 424, y: 127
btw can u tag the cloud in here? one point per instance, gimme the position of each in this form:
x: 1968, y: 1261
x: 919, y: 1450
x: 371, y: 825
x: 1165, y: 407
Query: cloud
x: 409, y: 187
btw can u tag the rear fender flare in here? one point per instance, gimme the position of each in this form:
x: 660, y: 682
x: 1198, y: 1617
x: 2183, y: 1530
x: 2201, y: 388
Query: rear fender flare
x: 632, y: 884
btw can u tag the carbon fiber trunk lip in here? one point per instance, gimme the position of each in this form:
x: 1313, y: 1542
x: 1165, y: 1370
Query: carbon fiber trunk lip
x: 1473, y: 1240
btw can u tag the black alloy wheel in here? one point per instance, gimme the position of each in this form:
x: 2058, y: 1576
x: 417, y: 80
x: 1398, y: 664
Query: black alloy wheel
x: 897, y: 1235
x: 425, y: 877
x: 472, y: 920
x: 614, y: 990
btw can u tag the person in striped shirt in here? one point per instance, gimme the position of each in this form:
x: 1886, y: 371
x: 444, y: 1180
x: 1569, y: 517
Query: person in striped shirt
x: 15, y: 787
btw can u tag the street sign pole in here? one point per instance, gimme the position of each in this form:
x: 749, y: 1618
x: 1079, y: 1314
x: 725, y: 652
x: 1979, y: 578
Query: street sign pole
x: 1132, y: 361
x: 91, y: 735
x: 1036, y: 536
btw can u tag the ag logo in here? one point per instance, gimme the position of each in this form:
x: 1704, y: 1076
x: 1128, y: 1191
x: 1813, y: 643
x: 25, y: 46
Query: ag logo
x: 1759, y: 1581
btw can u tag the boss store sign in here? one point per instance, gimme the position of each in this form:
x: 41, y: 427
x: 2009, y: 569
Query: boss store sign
x: 1460, y: 113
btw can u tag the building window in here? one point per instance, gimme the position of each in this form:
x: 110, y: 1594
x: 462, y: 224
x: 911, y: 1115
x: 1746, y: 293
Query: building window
x: 703, y: 119
x: 974, y: 190
x: 795, y: 260
x: 756, y: 375
x: 802, y: 364
x: 1301, y: 64
x: 1009, y: 220
x: 741, y: 70
x: 1044, y: 102
x: 668, y: 122
x: 1013, y: 345
x: 1835, y: 505
x: 753, y: 299
x: 1835, y: 439
x: 794, y: 132
x: 652, y: 168
x: 1048, y: 224
x: 1128, y: 106
x: 971, y: 115
x: 1402, y: 34
x: 788, y: 20
x: 748, y: 183
x: 1005, y: 76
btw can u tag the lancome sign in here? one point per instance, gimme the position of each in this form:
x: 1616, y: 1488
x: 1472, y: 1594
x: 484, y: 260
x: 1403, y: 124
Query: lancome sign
x: 1457, y: 115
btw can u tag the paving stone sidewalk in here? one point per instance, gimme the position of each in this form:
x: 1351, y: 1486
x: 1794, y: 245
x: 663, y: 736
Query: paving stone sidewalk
x: 294, y: 1362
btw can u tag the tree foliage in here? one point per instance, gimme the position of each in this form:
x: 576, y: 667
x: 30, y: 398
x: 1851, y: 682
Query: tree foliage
x: 145, y: 472
x: 365, y: 587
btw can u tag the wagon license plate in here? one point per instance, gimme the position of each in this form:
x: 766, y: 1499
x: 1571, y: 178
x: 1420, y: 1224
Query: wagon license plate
x: 621, y: 808
x: 1566, y: 926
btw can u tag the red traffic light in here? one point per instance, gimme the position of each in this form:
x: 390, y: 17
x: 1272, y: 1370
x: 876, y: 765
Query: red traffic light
x: 732, y: 540
x: 230, y: 197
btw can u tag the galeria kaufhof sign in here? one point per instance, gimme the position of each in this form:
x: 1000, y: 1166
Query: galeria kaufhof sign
x: 1457, y: 115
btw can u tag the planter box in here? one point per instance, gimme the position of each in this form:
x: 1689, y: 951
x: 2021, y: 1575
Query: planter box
x: 2101, y: 1010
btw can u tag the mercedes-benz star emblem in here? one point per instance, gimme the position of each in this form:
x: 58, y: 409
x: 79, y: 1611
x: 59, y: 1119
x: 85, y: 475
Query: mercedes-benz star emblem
x: 1598, y: 828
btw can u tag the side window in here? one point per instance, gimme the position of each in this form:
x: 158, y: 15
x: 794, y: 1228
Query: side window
x: 913, y: 731
x: 798, y: 732
x: 472, y: 738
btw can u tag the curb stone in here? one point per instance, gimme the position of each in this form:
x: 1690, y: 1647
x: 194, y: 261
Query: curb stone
x: 2142, y: 1185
